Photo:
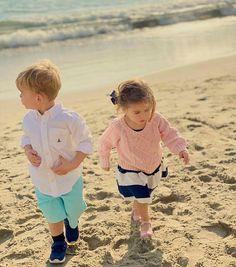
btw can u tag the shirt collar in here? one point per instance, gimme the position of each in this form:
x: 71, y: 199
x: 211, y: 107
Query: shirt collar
x: 52, y: 112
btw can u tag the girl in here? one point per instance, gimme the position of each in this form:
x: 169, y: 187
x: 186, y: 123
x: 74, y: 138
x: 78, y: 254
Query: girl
x: 137, y: 137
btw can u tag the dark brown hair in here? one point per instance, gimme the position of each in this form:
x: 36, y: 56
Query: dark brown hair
x: 135, y: 91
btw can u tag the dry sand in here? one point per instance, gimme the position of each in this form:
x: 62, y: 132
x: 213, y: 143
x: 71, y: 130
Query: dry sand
x: 194, y: 209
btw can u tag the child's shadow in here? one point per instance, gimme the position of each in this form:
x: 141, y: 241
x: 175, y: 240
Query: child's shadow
x: 139, y: 252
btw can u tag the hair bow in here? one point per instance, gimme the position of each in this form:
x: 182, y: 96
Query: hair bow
x: 114, y: 98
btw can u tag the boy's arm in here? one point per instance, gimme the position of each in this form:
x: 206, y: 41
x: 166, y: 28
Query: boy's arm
x: 81, y: 135
x: 30, y: 153
x: 82, y: 139
x: 64, y: 166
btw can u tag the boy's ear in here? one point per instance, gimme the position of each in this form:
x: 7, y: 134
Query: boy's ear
x: 40, y: 97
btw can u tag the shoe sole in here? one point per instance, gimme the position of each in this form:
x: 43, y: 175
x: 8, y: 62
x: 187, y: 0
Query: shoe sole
x: 72, y: 243
x: 56, y: 261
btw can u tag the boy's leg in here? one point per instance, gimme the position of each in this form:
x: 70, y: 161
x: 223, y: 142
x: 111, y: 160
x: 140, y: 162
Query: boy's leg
x: 56, y: 228
x: 58, y: 248
x: 74, y: 206
x: 54, y: 211
x: 72, y: 234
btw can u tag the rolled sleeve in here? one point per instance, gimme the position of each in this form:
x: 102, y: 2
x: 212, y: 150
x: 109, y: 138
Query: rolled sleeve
x: 81, y: 135
x: 25, y: 139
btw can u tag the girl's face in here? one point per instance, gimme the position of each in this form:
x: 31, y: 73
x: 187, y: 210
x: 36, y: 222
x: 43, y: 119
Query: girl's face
x: 138, y: 114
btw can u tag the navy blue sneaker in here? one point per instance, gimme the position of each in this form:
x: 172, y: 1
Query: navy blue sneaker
x: 58, y: 252
x: 72, y: 234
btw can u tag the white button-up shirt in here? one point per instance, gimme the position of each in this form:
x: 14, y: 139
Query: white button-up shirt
x: 56, y: 132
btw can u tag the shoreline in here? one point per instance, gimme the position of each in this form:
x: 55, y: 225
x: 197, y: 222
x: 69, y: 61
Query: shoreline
x: 101, y: 62
x: 190, y: 72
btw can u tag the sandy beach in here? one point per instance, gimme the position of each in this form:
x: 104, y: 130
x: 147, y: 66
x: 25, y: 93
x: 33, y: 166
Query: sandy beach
x: 193, y: 211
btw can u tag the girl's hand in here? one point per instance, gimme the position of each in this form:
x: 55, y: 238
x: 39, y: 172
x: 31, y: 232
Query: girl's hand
x: 63, y: 166
x: 32, y: 155
x: 185, y: 156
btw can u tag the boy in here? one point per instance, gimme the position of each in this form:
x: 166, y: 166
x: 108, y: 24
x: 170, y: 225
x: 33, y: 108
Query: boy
x: 56, y: 141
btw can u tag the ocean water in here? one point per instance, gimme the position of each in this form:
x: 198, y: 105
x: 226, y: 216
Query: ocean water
x: 100, y: 42
x: 33, y: 23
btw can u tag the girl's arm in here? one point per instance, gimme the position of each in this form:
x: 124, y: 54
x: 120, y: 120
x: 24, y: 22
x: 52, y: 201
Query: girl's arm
x: 170, y: 136
x: 107, y: 141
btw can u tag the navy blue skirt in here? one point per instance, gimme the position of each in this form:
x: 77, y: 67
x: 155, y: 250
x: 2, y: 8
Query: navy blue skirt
x: 138, y: 185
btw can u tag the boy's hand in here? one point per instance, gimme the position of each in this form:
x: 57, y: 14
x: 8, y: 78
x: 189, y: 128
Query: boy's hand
x: 32, y: 155
x: 185, y: 156
x: 63, y: 166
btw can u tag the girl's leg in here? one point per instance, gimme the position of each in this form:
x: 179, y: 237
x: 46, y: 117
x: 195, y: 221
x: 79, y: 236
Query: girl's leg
x: 142, y: 210
x: 56, y: 228
x: 135, y: 213
x: 146, y: 227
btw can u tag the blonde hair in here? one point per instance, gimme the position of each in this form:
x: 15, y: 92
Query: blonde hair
x: 41, y: 78
x: 135, y: 91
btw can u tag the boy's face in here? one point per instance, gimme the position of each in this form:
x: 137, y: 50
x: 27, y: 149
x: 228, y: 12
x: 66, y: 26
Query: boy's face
x: 29, y: 98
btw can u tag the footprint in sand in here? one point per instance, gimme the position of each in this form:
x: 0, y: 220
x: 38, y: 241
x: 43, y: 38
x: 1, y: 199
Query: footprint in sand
x: 230, y: 248
x: 91, y: 218
x: 183, y: 261
x: 5, y: 234
x: 225, y: 178
x: 192, y: 127
x: 198, y: 147
x: 99, y: 195
x: 215, y: 205
x: 103, y: 208
x: 96, y: 240
x: 233, y: 187
x: 103, y: 194
x: 120, y: 242
x: 205, y: 178
x: 168, y: 210
x: 228, y: 161
x: 220, y: 229
x: 27, y: 218
x: 173, y: 197
x: 204, y: 98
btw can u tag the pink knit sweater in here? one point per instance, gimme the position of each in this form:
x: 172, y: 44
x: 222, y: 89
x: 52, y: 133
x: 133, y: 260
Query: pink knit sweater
x: 139, y: 150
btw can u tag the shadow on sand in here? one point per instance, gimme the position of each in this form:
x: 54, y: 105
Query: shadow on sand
x: 139, y: 252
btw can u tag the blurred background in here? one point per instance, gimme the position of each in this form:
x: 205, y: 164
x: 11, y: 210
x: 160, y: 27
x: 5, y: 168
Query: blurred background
x: 98, y: 43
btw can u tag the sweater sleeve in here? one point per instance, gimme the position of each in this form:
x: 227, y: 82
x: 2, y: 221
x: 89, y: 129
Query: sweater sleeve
x: 107, y: 141
x: 170, y: 136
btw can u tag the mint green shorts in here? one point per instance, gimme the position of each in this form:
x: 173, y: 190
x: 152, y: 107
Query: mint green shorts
x: 70, y: 205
